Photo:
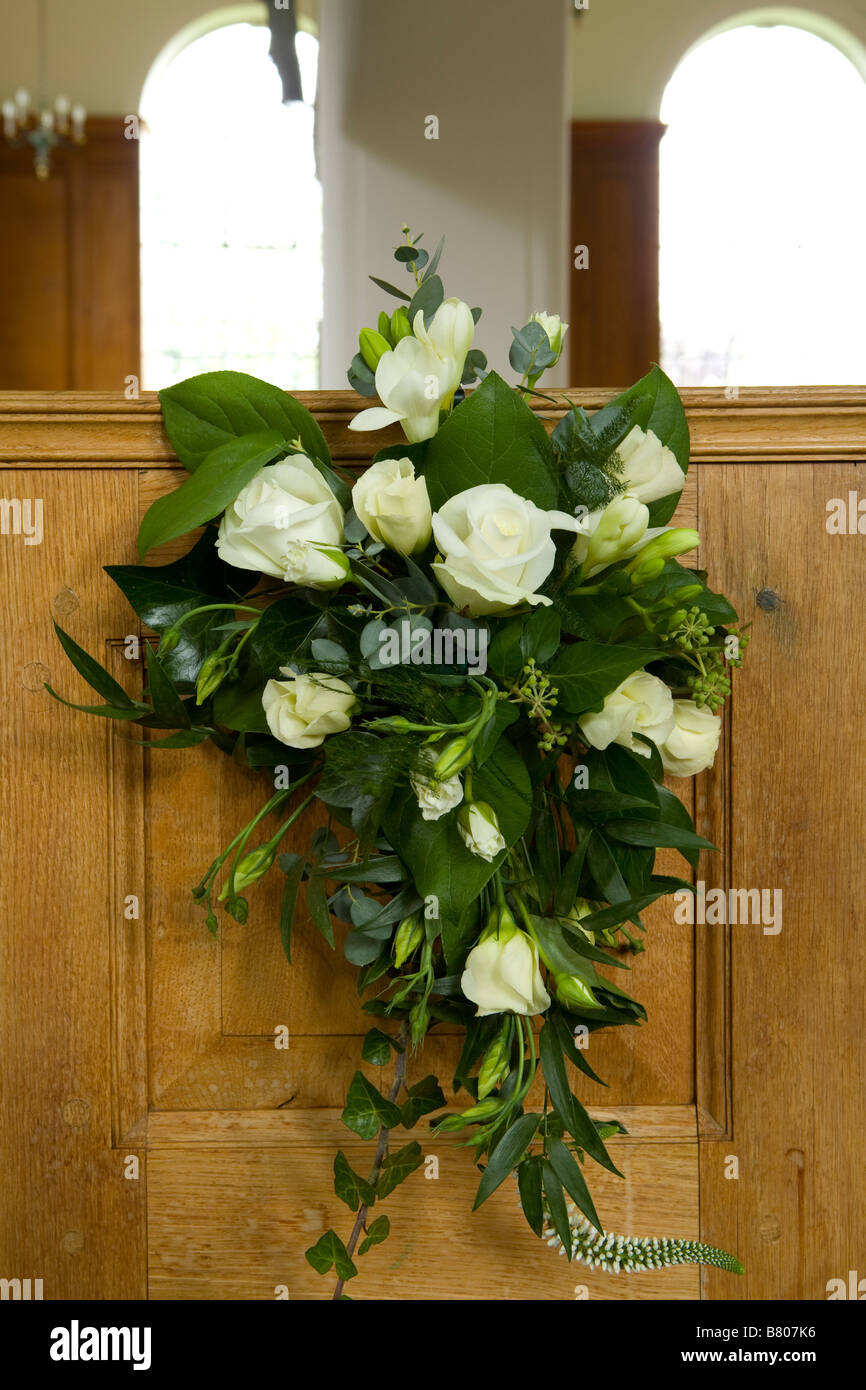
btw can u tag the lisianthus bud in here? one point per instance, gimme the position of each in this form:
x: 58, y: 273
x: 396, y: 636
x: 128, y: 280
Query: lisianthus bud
x: 454, y: 757
x: 252, y: 867
x: 648, y: 571
x: 210, y: 677
x: 384, y: 327
x: 573, y: 993
x: 485, y: 1111
x: 554, y: 328
x: 410, y: 934
x: 496, y: 1064
x: 373, y: 346
x: 673, y: 541
x: 168, y: 641
x: 479, y: 830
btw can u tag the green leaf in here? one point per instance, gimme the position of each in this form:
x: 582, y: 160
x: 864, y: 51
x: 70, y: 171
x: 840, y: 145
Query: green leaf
x: 376, y: 1048
x: 317, y: 906
x: 165, y: 699
x: 556, y: 1206
x: 381, y: 868
x: 96, y: 676
x: 389, y: 288
x: 367, y: 1110
x: 433, y: 851
x: 588, y: 671
x: 378, y: 1231
x: 349, y: 1186
x: 567, y: 1169
x: 397, y: 1167
x: 293, y: 866
x: 424, y: 1097
x: 104, y: 711
x: 645, y: 833
x: 529, y: 1186
x: 160, y: 594
x: 506, y: 1156
x: 206, y: 411
x: 572, y: 1113
x: 330, y: 1252
x: 282, y: 634
x: 493, y: 437
x: 531, y: 351
x: 605, y: 870
x: 215, y: 483
x: 427, y: 298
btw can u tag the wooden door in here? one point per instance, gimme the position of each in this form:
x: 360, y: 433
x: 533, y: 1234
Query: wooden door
x: 143, y: 1038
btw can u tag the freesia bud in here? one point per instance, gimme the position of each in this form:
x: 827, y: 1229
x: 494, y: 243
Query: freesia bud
x: 400, y: 325
x: 452, y: 760
x: 610, y: 533
x: 168, y: 641
x: 384, y: 326
x: 673, y: 541
x: 410, y: 934
x: 650, y: 570
x: 373, y: 346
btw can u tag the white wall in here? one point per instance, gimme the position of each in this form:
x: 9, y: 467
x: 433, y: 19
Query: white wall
x: 624, y: 52
x: 495, y: 74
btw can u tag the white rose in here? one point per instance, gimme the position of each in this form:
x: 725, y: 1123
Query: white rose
x: 642, y: 704
x: 554, y: 328
x: 393, y: 505
x: 502, y: 973
x: 435, y: 799
x: 304, y: 709
x: 417, y: 379
x: 650, y: 467
x: 479, y: 830
x: 691, y: 745
x: 286, y: 523
x: 496, y: 548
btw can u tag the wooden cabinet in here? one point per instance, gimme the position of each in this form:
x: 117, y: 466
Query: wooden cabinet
x: 142, y: 1036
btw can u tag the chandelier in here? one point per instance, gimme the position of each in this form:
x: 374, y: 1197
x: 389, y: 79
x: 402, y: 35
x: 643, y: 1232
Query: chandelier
x: 41, y: 126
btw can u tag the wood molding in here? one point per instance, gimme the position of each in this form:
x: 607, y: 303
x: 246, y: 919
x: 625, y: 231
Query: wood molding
x: 806, y: 424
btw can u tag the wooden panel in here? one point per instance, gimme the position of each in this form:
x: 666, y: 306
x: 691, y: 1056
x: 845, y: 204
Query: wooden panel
x: 69, y: 275
x: 231, y: 1216
x: 614, y: 307
x: 795, y: 777
x: 69, y: 1215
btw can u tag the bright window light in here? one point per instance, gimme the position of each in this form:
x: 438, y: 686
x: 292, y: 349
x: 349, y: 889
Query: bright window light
x: 231, y: 215
x: 763, y: 209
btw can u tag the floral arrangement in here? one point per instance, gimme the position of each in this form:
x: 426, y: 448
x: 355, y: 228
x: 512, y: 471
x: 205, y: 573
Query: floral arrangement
x: 481, y: 659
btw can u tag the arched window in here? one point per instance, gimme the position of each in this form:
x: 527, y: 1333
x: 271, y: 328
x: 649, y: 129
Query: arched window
x: 231, y: 213
x: 763, y: 209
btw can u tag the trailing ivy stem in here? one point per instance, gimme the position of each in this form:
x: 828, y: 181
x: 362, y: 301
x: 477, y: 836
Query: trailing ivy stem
x: 381, y: 1149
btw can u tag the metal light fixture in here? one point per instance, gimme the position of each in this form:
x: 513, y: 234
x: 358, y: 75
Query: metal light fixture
x: 43, y: 127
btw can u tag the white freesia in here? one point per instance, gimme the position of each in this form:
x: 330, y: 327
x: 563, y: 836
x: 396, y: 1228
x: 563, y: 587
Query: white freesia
x: 641, y: 704
x: 394, y: 506
x: 479, y: 830
x: 417, y: 379
x: 611, y: 533
x: 650, y: 468
x: 434, y: 798
x: 502, y: 973
x: 691, y: 745
x: 553, y: 327
x: 495, y: 548
x: 287, y: 523
x: 302, y: 710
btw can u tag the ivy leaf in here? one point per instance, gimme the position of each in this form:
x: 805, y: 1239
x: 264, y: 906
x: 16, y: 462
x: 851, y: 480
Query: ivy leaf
x: 349, y: 1186
x: 588, y: 671
x: 378, y: 1231
x: 330, y: 1252
x: 376, y: 1048
x: 424, y: 1097
x: 367, y: 1110
x: 397, y: 1167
